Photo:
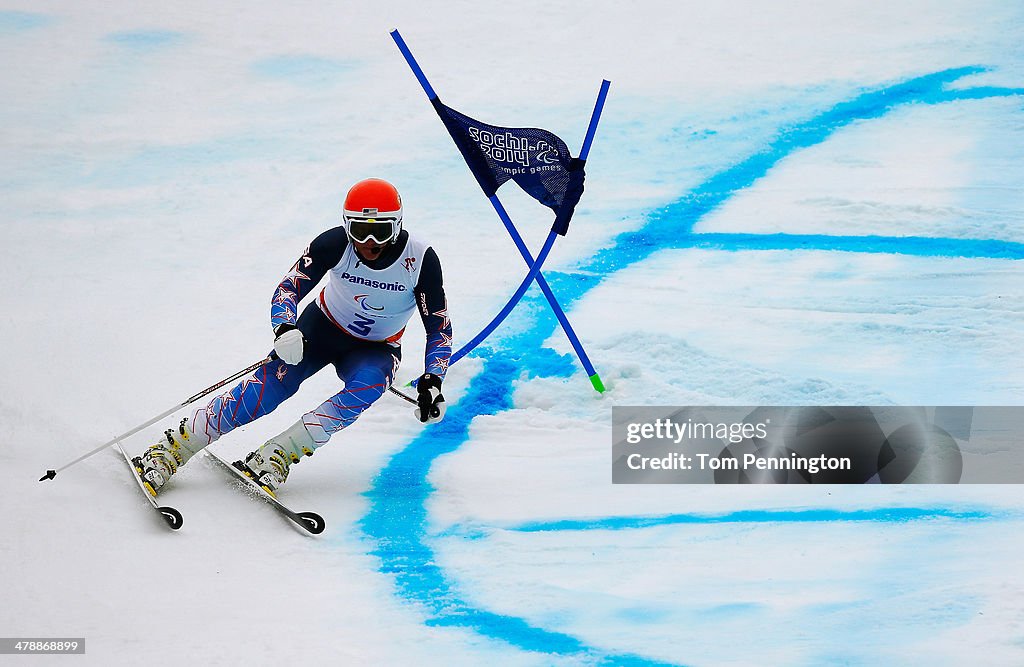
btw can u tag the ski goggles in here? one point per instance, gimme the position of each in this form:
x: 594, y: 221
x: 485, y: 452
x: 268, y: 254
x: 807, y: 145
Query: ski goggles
x: 381, y: 230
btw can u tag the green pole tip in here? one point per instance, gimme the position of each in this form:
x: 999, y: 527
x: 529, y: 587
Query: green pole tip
x: 595, y: 380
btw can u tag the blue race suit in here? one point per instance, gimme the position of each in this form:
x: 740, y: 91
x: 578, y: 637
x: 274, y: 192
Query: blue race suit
x: 362, y: 300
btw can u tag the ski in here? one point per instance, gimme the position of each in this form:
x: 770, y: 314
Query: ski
x: 170, y: 515
x: 309, y: 521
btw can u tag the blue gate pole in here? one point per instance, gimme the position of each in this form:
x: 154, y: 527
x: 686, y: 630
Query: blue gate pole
x: 534, y: 265
x: 548, y: 243
x: 595, y: 379
x: 512, y: 302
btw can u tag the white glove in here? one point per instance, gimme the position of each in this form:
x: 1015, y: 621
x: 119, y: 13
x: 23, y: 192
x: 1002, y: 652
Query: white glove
x: 288, y: 344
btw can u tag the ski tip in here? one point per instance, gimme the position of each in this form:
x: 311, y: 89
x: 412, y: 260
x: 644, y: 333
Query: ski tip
x: 314, y: 523
x: 50, y: 474
x: 595, y: 380
x: 171, y: 516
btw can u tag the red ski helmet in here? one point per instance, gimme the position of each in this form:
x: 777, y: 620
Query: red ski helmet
x: 373, y: 209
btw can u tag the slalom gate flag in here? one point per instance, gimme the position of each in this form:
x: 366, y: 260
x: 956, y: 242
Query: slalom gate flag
x: 535, y: 159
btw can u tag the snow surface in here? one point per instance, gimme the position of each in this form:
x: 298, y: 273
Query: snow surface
x: 794, y: 203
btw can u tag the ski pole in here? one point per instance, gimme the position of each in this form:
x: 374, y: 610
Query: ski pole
x: 50, y: 474
x: 405, y: 396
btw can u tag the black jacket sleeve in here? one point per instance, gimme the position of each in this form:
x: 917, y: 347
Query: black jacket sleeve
x: 433, y: 307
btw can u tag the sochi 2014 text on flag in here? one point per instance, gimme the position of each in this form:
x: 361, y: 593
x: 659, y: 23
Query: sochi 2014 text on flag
x: 536, y: 159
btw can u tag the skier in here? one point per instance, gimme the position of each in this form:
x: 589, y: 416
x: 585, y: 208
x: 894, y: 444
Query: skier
x: 379, y: 274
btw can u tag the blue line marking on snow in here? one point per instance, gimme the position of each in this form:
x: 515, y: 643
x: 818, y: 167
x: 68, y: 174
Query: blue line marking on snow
x: 16, y: 22
x: 672, y: 227
x: 816, y: 515
x: 155, y: 163
x: 883, y: 515
x: 397, y: 519
x: 303, y: 70
x: 144, y: 40
x: 921, y: 246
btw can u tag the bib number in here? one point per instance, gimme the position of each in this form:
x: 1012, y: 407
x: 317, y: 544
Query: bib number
x: 361, y: 327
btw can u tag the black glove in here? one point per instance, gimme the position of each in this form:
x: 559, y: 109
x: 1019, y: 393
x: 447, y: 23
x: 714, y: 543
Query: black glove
x: 431, y: 402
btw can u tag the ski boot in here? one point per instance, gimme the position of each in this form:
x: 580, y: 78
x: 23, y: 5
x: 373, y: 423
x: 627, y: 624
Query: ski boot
x: 269, y: 465
x: 156, y: 465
